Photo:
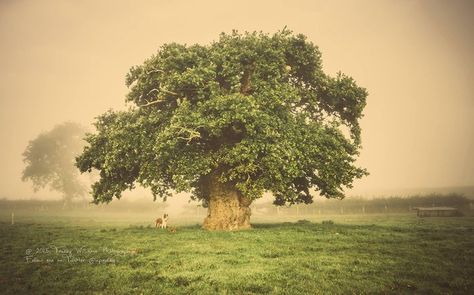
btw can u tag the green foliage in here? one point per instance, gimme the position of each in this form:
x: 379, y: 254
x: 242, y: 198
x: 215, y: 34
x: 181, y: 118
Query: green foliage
x: 50, y: 158
x: 255, y: 109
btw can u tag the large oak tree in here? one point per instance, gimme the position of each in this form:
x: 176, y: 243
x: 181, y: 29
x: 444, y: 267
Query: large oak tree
x: 229, y: 121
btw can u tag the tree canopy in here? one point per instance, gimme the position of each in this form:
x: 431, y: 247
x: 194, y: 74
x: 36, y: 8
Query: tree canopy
x: 50, y: 158
x: 254, y: 111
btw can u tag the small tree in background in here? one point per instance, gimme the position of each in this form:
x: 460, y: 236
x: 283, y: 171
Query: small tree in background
x: 228, y: 121
x: 50, y: 160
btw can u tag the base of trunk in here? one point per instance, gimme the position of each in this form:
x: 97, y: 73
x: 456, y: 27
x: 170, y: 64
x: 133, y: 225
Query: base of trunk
x: 228, y: 209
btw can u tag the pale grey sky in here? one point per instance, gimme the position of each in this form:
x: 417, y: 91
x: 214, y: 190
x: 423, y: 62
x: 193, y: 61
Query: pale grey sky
x: 66, y: 60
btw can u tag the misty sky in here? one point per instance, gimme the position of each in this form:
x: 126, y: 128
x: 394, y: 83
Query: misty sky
x: 67, y: 60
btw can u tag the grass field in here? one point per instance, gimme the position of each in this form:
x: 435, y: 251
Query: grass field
x: 56, y: 253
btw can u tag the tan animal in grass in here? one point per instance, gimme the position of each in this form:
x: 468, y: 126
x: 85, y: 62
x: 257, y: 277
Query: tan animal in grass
x: 172, y: 229
x: 162, y: 222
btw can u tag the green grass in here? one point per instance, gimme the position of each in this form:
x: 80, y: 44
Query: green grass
x: 353, y: 254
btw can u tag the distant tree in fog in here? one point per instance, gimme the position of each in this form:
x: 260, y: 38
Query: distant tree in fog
x: 50, y: 158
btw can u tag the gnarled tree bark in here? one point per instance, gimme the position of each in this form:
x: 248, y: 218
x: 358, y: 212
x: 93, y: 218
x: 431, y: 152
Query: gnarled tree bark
x: 228, y: 209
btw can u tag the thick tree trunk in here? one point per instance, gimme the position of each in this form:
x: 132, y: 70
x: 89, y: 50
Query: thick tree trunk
x: 227, y: 209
